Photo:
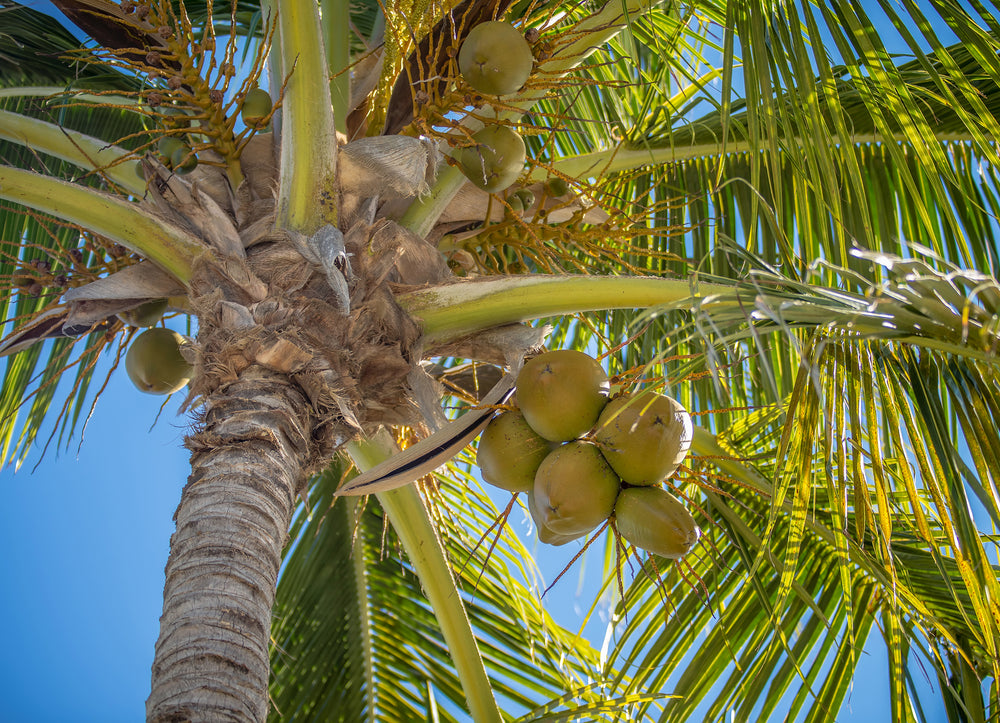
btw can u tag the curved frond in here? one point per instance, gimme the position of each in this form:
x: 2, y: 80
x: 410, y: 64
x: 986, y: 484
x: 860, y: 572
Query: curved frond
x: 815, y: 521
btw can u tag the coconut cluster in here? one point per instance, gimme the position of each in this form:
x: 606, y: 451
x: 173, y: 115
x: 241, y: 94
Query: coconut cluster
x: 176, y: 151
x: 495, y: 59
x: 582, y: 457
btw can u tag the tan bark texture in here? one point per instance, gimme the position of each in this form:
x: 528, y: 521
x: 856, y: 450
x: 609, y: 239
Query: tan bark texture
x: 301, y: 347
x: 212, y: 654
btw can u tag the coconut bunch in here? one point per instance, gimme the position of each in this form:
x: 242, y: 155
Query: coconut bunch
x: 583, y: 458
x: 495, y: 59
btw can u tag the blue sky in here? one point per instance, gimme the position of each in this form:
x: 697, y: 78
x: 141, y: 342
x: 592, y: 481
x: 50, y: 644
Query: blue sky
x: 84, y: 540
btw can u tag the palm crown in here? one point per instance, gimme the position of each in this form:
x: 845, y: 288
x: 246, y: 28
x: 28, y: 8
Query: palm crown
x: 769, y: 212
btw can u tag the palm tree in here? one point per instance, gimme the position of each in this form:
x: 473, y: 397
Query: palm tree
x: 784, y: 215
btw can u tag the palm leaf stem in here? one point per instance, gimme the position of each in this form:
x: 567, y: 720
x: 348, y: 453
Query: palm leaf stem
x: 423, y: 213
x: 171, y: 248
x: 627, y: 157
x: 77, y: 148
x: 360, y: 568
x: 52, y: 91
x: 591, y: 34
x: 446, y: 312
x: 275, y: 64
x: 308, y: 133
x: 336, y: 19
x: 410, y: 519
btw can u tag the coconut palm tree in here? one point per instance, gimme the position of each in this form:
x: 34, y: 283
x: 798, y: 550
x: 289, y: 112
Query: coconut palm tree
x: 782, y: 215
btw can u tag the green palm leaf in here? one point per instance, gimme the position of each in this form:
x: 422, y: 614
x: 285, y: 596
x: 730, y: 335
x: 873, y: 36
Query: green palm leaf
x: 717, y: 632
x: 354, y: 638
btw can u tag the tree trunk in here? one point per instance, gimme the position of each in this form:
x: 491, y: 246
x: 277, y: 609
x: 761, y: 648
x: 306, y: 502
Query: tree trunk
x: 288, y: 373
x: 247, y: 461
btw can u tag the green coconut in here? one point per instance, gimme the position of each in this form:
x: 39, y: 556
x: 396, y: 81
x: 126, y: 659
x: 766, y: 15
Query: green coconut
x: 495, y: 59
x: 556, y: 186
x: 496, y: 160
x: 145, y: 314
x: 544, y: 533
x: 154, y: 362
x: 575, y: 489
x: 526, y: 197
x: 168, y: 144
x: 256, y: 107
x: 183, y: 160
x: 510, y: 452
x: 644, y: 437
x: 177, y: 155
x: 561, y: 393
x: 515, y: 204
x: 653, y: 519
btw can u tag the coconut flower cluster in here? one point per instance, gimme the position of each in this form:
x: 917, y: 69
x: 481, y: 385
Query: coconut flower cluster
x: 582, y: 457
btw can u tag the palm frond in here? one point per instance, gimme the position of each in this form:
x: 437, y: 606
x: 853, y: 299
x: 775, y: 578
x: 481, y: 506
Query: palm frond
x: 715, y: 629
x: 37, y: 263
x: 36, y: 49
x: 815, y: 153
x: 354, y: 638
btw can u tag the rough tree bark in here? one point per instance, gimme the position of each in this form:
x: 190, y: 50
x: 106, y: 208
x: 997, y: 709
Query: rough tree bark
x: 292, y: 361
x: 232, y: 522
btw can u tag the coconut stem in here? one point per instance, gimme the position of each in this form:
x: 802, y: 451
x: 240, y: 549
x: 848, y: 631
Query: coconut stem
x: 92, y: 154
x: 336, y: 19
x: 307, y: 189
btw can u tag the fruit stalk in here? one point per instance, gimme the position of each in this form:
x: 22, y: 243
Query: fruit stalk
x: 590, y: 34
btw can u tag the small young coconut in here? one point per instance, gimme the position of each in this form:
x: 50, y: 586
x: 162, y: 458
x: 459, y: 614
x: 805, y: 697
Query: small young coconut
x: 653, y: 519
x: 556, y: 186
x: 561, y: 393
x: 496, y: 160
x: 544, y: 533
x: 145, y: 314
x: 177, y: 155
x: 256, y: 107
x: 154, y: 362
x: 526, y: 197
x: 510, y: 452
x: 168, y: 145
x: 495, y: 59
x: 575, y: 489
x: 515, y: 205
x: 183, y: 160
x: 644, y: 437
